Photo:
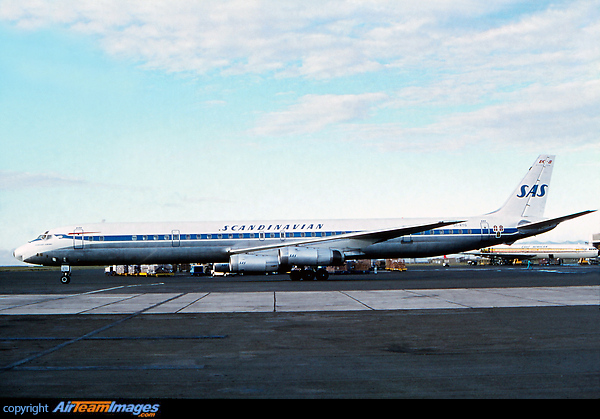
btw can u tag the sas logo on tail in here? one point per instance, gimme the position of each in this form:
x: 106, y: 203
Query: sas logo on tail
x: 533, y: 191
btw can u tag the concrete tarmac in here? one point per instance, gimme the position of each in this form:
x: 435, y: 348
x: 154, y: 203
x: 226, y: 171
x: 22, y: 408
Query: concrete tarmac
x: 462, y: 332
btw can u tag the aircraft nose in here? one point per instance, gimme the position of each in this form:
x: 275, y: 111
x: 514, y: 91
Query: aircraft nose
x: 19, y: 253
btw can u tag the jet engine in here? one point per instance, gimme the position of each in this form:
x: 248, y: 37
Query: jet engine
x: 309, y: 256
x: 285, y: 258
x: 253, y: 263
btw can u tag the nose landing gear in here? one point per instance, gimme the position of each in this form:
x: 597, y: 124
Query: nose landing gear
x: 66, y: 274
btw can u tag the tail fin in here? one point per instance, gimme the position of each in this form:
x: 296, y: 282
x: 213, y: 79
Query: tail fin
x: 529, y: 199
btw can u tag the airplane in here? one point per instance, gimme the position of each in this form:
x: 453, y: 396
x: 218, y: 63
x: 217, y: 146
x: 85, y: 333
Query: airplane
x: 507, y: 253
x: 296, y: 246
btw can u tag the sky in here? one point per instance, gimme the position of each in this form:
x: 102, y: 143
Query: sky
x: 149, y: 110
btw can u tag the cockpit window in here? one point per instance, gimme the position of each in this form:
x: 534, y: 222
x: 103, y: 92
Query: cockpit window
x: 44, y: 236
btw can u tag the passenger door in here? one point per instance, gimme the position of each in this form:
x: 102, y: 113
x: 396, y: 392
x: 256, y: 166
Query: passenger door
x: 78, y: 239
x: 485, y: 230
x: 175, y: 238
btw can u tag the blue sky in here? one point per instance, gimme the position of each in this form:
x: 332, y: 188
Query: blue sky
x: 215, y: 110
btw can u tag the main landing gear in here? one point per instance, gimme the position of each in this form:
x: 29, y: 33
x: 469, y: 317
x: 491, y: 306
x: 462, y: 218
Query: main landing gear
x: 66, y: 274
x: 308, y: 274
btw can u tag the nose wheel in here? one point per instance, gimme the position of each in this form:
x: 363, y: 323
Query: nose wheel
x: 66, y: 274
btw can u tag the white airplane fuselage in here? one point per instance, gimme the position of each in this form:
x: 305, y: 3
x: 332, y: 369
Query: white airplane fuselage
x: 542, y: 251
x: 148, y: 243
x: 266, y: 246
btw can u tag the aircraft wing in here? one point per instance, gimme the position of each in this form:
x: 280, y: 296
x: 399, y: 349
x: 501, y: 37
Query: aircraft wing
x: 552, y: 222
x: 371, y: 237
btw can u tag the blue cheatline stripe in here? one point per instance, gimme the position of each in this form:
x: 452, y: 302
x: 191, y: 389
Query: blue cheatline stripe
x: 230, y: 236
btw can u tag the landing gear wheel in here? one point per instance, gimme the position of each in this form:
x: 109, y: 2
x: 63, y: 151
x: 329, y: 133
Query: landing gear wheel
x: 66, y: 274
x: 308, y: 274
x: 322, y: 274
x: 295, y: 275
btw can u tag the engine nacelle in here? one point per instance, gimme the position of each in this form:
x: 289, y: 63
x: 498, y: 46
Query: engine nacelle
x: 253, y: 263
x: 310, y: 256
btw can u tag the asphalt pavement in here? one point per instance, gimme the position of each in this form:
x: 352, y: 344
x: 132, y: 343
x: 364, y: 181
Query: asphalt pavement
x: 502, y: 332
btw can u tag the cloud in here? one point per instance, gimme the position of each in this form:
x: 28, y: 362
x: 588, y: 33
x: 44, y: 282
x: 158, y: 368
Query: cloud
x: 556, y: 117
x: 314, y: 113
x: 503, y: 70
x: 237, y: 36
x: 548, y: 48
x: 565, y: 115
x: 316, y: 39
x: 10, y: 180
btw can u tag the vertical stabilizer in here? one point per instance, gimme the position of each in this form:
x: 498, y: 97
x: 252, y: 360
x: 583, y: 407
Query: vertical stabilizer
x: 529, y: 199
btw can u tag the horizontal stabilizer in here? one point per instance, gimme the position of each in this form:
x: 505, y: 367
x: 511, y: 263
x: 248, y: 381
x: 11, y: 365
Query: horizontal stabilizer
x: 552, y: 222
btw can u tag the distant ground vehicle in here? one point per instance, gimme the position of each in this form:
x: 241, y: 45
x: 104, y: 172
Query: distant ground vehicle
x: 139, y: 270
x: 200, y: 270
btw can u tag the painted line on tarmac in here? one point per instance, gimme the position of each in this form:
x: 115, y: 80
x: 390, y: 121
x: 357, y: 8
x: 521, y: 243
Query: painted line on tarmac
x: 80, y: 338
x: 31, y: 299
x: 302, y: 301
